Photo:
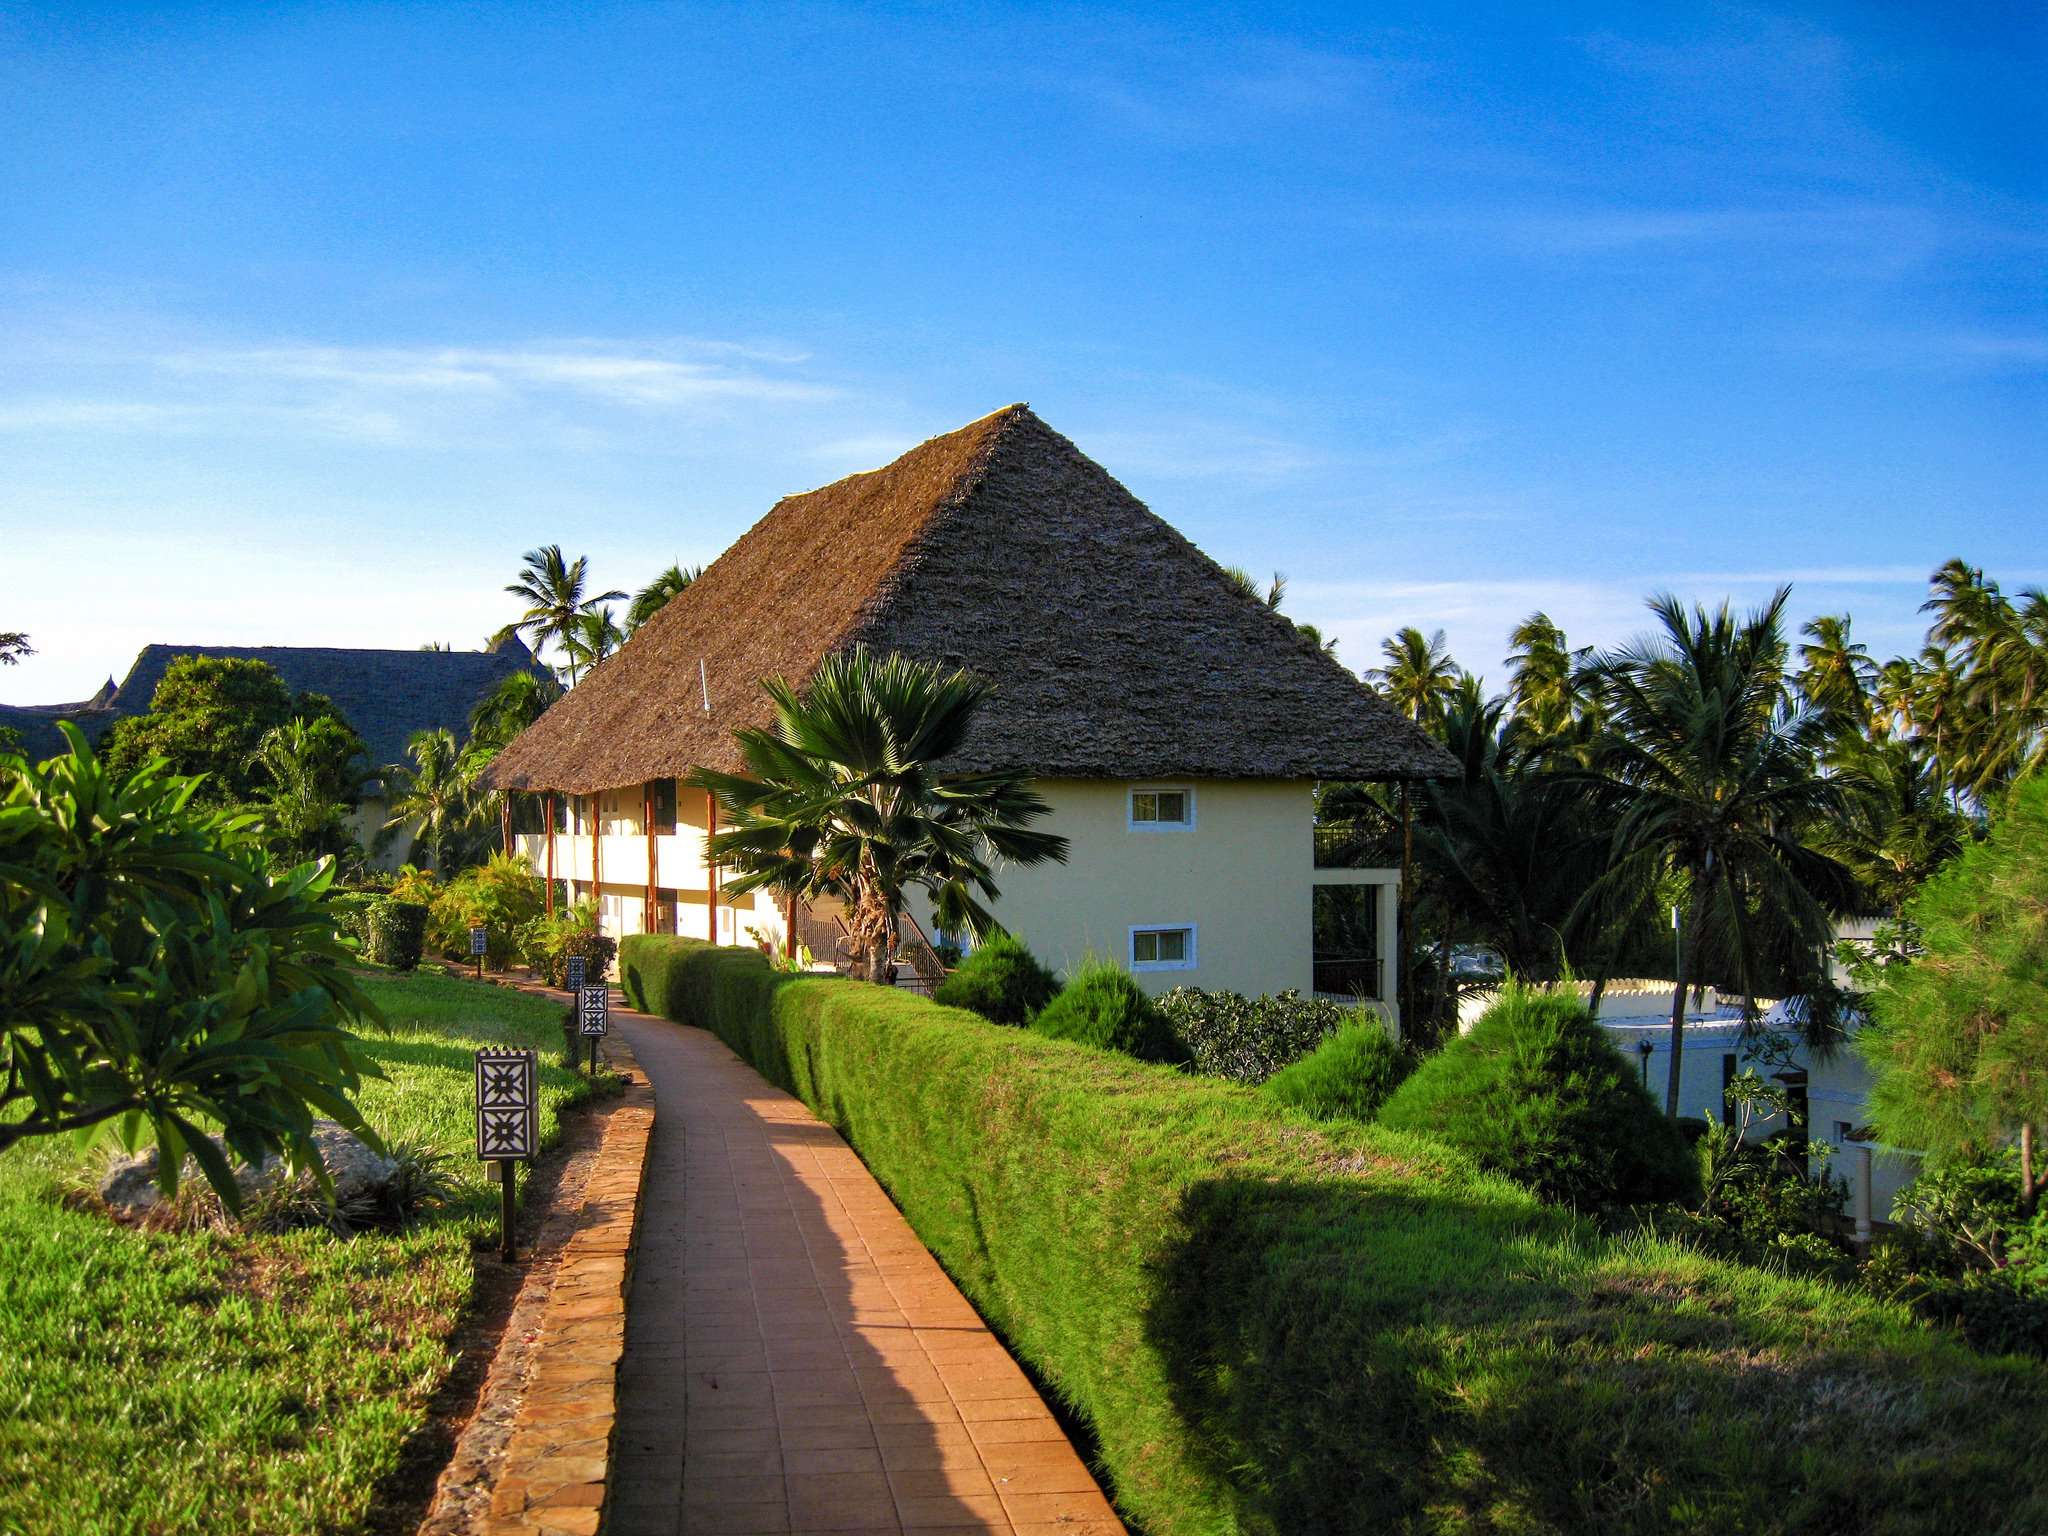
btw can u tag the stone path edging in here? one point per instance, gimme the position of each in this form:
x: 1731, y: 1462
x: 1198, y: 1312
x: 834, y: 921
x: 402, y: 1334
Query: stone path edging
x: 558, y: 1461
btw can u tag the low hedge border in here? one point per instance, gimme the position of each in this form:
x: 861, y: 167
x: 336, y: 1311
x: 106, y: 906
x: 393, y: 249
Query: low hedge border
x: 1277, y: 1325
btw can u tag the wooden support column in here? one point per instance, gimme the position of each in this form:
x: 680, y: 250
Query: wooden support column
x: 647, y: 821
x: 597, y: 855
x: 710, y: 869
x: 789, y: 930
x: 505, y: 819
x: 550, y: 803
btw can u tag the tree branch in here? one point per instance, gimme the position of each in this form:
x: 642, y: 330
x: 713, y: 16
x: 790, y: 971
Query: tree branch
x: 23, y: 1129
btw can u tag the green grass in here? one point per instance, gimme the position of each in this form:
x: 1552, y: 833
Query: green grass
x: 199, y: 1382
x: 1278, y: 1325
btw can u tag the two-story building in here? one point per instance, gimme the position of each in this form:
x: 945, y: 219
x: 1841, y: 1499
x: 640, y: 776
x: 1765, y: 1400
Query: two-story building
x: 1176, y: 725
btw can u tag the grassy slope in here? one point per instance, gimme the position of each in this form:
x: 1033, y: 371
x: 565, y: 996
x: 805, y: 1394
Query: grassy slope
x: 1276, y: 1325
x: 199, y: 1382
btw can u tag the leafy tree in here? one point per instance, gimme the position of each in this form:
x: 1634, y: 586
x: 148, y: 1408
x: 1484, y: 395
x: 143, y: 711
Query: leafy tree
x: 155, y: 976
x: 1537, y: 1091
x: 843, y: 800
x: 653, y: 597
x: 13, y: 646
x: 1959, y: 1050
x: 1897, y: 827
x: 556, y: 601
x: 1419, y: 679
x: 1708, y: 772
x: 209, y: 716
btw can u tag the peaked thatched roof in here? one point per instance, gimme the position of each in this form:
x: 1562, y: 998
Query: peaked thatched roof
x: 1119, y: 650
x: 385, y: 695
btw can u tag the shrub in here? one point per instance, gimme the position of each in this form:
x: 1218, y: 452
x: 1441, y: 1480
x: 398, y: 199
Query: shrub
x: 1538, y: 1092
x: 1249, y: 1039
x: 398, y: 932
x: 547, y: 942
x: 1104, y: 1008
x: 1272, y: 1327
x: 502, y: 895
x: 1002, y: 981
x: 1348, y: 1077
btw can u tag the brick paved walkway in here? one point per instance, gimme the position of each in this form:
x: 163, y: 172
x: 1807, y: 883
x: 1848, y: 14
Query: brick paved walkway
x: 795, y: 1360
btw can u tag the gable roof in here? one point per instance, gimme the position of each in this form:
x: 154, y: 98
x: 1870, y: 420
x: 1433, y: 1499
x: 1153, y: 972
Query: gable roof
x: 385, y: 695
x: 1119, y: 650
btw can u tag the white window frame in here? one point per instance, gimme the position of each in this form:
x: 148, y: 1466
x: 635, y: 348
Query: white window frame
x: 1131, y: 808
x: 1188, y: 964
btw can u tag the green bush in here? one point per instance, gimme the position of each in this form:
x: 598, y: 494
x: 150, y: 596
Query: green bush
x: 1537, y: 1091
x: 1250, y: 1039
x: 1002, y: 981
x: 547, y: 942
x: 1270, y: 1327
x: 1348, y: 1077
x: 398, y: 932
x: 1104, y: 1008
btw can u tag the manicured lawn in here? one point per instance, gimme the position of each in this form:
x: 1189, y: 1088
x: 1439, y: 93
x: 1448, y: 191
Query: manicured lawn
x: 160, y: 1383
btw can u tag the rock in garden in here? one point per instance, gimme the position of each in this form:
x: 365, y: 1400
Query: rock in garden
x: 129, y: 1187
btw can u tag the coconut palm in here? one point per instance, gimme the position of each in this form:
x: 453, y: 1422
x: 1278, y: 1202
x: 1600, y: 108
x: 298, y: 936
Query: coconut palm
x: 842, y: 799
x: 1897, y: 828
x: 1419, y: 679
x: 435, y: 803
x: 1707, y: 768
x: 653, y: 597
x: 508, y: 709
x: 593, y: 635
x: 314, y: 771
x: 553, y: 589
x: 1547, y: 679
x: 1836, y: 675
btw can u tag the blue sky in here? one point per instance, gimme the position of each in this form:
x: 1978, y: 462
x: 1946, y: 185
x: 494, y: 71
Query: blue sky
x: 313, y: 319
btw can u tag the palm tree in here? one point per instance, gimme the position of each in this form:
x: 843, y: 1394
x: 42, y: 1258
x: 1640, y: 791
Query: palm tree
x: 1898, y: 828
x: 1836, y: 675
x: 434, y: 802
x: 1708, y: 770
x: 653, y: 597
x: 553, y: 589
x: 1547, y: 680
x: 593, y: 635
x: 13, y: 646
x: 508, y: 709
x: 315, y: 771
x: 842, y: 800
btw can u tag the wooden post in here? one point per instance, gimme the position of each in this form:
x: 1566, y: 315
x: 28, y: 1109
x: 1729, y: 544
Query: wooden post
x: 710, y: 869
x: 597, y: 854
x: 505, y: 820
x: 789, y: 930
x: 647, y: 821
x: 551, y: 854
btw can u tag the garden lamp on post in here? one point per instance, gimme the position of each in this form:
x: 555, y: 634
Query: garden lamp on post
x: 479, y: 946
x: 1643, y: 1049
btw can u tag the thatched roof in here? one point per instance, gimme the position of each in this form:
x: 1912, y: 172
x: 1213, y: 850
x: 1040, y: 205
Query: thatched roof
x: 1119, y: 650
x: 385, y: 695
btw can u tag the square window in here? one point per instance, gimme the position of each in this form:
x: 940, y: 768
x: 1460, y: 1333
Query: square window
x: 1153, y: 809
x: 1162, y: 949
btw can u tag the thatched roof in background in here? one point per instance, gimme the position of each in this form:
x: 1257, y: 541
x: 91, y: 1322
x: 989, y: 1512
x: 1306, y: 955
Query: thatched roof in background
x: 386, y: 695
x: 1119, y: 650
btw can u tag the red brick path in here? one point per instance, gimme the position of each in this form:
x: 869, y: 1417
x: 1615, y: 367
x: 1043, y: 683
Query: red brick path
x: 795, y: 1360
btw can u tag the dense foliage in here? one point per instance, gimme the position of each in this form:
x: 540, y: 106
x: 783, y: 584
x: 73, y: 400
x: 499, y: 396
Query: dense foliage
x: 1247, y: 1038
x: 1101, y: 1006
x: 1538, y: 1092
x: 156, y: 976
x: 1347, y: 1077
x: 1960, y: 1051
x: 210, y: 715
x: 398, y: 932
x: 1001, y: 980
x: 1270, y: 1327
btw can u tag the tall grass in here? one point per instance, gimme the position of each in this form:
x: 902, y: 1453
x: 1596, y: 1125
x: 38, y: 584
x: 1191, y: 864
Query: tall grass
x: 158, y: 1383
x: 1278, y: 1325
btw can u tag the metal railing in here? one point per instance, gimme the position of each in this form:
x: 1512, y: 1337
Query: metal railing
x: 1348, y: 976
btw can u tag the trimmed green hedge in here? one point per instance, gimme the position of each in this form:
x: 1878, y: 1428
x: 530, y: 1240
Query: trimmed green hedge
x: 1278, y: 1325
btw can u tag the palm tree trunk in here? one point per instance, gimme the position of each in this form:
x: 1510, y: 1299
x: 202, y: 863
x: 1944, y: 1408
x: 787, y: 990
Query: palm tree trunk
x: 1688, y: 954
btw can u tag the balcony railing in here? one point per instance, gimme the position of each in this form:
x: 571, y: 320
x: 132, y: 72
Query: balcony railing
x: 1348, y: 976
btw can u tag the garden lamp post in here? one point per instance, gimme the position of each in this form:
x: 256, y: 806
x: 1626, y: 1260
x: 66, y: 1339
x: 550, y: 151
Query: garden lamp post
x: 1643, y: 1049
